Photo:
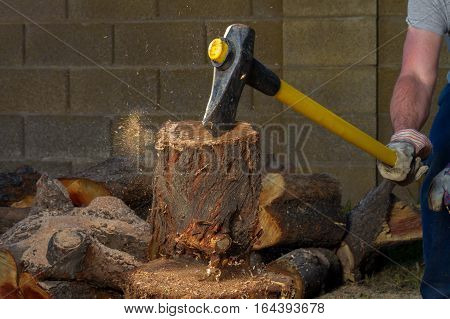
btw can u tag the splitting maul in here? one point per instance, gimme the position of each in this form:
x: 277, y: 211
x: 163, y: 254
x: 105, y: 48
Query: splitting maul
x: 235, y: 66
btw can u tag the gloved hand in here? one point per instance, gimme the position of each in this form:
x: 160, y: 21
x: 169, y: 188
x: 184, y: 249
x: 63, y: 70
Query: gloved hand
x: 411, y: 147
x: 439, y: 192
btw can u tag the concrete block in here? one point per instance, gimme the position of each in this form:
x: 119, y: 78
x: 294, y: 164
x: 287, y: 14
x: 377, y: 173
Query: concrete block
x: 267, y: 8
x: 135, y: 136
x: 200, y: 8
x: 268, y: 42
x: 323, y: 146
x: 11, y: 137
x: 160, y: 43
x: 53, y: 168
x: 37, y: 10
x: 64, y: 137
x: 11, y: 39
x: 329, y: 41
x: 353, y: 91
x: 111, y: 10
x: 33, y: 91
x: 329, y: 8
x: 356, y: 180
x: 91, y: 40
x: 392, y: 7
x: 95, y: 91
x: 188, y: 91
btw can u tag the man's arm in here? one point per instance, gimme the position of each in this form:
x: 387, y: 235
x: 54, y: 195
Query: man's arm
x: 411, y: 100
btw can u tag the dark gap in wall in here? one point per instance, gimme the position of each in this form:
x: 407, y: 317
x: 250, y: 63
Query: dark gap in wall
x: 24, y: 43
x: 113, y: 44
x: 68, y: 89
x: 67, y: 9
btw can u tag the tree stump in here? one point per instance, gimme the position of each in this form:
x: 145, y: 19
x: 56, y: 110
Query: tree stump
x: 206, y: 191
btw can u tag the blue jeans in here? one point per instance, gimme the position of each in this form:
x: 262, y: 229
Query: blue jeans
x: 436, y: 225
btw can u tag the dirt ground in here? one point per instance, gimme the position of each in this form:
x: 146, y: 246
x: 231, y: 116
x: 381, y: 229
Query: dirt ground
x: 399, y: 280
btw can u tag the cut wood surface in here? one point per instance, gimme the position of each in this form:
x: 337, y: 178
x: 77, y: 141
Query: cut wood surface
x: 313, y: 270
x: 206, y: 191
x: 300, y: 211
x: 187, y: 278
x: 404, y: 225
x: 15, y: 284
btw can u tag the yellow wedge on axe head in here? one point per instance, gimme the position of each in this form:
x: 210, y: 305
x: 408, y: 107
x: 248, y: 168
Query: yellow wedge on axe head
x: 234, y: 66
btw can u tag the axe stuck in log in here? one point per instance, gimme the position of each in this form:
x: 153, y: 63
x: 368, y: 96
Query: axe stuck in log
x: 235, y: 66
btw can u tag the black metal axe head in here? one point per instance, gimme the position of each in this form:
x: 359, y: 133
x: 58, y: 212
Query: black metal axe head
x: 232, y: 58
x: 234, y: 66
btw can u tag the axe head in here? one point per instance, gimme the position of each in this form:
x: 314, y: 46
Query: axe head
x: 232, y: 58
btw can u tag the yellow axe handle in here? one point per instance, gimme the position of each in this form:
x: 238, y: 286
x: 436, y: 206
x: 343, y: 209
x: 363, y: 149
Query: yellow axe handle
x: 300, y: 103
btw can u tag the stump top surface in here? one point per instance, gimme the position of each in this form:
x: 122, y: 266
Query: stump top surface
x: 194, y: 134
x: 186, y: 279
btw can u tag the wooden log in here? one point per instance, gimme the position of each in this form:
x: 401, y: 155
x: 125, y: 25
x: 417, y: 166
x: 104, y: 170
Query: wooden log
x: 16, y: 185
x: 183, y: 278
x: 78, y: 290
x: 9, y: 216
x: 123, y: 178
x: 300, y: 211
x: 379, y: 220
x: 206, y: 191
x: 58, y: 241
x: 15, y: 284
x: 313, y: 270
x: 118, y: 177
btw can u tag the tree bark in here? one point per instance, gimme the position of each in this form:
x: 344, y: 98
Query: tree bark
x: 118, y: 177
x: 379, y: 220
x: 58, y: 241
x: 206, y: 191
x: 313, y: 270
x: 10, y: 216
x: 300, y: 211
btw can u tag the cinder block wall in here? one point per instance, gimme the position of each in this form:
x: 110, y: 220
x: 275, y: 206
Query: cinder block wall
x: 63, y: 105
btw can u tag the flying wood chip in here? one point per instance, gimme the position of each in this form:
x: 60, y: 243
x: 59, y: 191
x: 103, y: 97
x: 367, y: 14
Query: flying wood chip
x: 15, y: 286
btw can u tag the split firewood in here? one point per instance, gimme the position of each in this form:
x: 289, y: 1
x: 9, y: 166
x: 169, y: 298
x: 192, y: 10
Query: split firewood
x: 206, y: 191
x: 15, y: 284
x: 58, y: 241
x: 83, y: 191
x: 124, y: 179
x: 379, y: 220
x: 300, y: 211
x: 183, y: 278
x: 118, y: 177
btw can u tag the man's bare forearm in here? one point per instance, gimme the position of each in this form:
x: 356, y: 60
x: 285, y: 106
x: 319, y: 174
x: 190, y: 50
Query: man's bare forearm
x: 410, y: 104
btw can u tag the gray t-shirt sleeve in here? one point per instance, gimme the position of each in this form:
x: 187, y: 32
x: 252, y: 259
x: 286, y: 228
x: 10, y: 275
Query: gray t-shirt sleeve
x: 429, y: 15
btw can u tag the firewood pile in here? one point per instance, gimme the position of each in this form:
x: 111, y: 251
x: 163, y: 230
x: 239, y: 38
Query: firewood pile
x: 207, y: 224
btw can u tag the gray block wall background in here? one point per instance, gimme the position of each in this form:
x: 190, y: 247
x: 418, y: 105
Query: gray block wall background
x: 73, y: 71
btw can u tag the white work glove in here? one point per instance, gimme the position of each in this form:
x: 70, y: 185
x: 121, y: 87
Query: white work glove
x: 439, y: 192
x: 411, y: 147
